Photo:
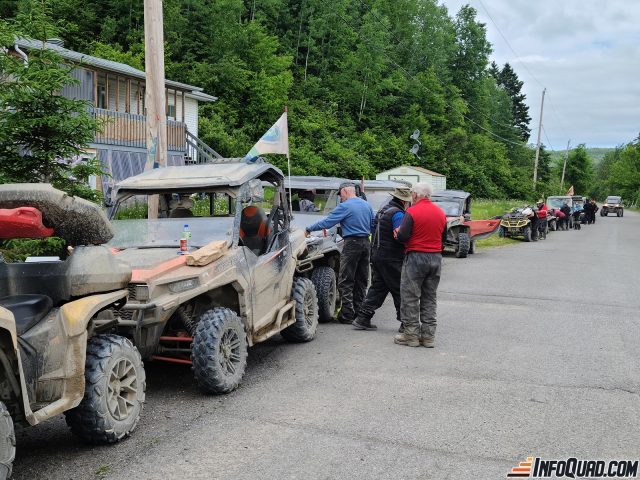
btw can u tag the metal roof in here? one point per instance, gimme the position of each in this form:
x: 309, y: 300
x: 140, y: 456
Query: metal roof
x: 420, y: 169
x: 109, y: 65
x: 450, y: 194
x: 211, y: 175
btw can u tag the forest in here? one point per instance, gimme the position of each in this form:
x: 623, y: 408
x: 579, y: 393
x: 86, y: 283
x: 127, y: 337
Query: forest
x: 358, y: 77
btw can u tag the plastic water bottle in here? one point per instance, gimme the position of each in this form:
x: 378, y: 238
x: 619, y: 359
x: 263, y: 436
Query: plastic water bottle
x: 185, y: 240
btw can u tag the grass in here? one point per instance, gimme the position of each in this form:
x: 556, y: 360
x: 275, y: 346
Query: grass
x: 483, y: 209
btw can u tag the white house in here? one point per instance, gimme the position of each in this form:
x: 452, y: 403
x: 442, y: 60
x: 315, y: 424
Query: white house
x: 415, y: 175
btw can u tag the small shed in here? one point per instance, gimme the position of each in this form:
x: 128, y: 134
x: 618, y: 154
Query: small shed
x: 415, y: 175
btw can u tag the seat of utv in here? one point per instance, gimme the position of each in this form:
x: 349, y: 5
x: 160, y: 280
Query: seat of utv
x: 27, y: 310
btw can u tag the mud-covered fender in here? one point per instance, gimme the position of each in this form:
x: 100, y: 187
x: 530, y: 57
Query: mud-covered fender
x: 77, y: 314
x: 298, y: 242
x: 74, y: 318
x: 8, y: 329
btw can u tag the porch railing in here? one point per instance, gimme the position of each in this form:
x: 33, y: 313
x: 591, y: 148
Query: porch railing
x: 129, y: 130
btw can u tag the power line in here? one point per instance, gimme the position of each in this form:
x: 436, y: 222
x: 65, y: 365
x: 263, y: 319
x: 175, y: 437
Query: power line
x: 410, y: 75
x: 508, y: 44
x: 547, y: 137
x: 553, y: 109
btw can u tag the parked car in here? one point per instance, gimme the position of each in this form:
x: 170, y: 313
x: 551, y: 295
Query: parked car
x: 237, y: 282
x: 612, y: 204
x: 57, y: 345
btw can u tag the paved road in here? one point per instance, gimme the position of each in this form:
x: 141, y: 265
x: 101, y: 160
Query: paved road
x: 537, y: 354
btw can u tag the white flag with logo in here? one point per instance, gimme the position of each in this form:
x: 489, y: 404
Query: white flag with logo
x: 276, y: 140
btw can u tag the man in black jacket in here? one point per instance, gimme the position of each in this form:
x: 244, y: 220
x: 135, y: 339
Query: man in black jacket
x: 387, y: 255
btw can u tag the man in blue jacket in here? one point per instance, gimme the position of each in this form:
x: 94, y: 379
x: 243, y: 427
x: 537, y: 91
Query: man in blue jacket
x: 355, y: 216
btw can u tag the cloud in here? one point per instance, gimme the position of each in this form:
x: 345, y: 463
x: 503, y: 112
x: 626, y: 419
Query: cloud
x: 585, y: 52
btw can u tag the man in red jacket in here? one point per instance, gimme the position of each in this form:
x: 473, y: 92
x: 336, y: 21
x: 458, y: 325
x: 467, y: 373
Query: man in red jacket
x: 422, y: 231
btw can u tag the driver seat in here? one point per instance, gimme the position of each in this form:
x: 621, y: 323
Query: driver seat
x: 254, y: 229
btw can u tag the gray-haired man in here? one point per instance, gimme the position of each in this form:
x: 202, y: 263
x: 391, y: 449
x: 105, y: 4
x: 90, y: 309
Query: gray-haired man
x: 422, y: 232
x: 355, y: 216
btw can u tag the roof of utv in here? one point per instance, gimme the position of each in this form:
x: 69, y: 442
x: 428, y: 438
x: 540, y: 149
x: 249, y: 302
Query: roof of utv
x: 450, y: 194
x: 230, y: 172
x: 314, y: 182
x: 384, y: 185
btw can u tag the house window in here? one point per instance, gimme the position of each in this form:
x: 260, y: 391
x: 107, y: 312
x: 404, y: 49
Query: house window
x: 171, y: 111
x: 101, y: 100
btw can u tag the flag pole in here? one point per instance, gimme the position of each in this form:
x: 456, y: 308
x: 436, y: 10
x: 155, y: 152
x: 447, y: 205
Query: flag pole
x: 286, y: 110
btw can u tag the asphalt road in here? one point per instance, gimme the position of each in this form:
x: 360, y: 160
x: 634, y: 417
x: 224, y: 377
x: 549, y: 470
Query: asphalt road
x: 537, y: 354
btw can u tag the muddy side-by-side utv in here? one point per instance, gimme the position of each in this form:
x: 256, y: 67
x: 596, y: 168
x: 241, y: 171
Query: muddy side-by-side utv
x: 53, y: 357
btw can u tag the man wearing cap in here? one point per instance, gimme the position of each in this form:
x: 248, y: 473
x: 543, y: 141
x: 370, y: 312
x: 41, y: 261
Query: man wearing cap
x: 355, y: 217
x: 387, y: 254
x: 422, y: 232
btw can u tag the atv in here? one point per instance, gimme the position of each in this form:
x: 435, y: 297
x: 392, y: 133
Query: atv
x: 58, y: 352
x: 517, y: 223
x: 612, y: 205
x: 462, y: 232
x: 217, y: 266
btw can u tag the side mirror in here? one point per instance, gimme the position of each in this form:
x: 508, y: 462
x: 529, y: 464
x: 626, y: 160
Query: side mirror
x: 467, y: 217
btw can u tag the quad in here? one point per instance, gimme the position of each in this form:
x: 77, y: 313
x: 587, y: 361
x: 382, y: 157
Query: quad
x: 612, y: 204
x: 58, y: 352
x: 219, y: 270
x: 461, y: 232
x: 517, y: 223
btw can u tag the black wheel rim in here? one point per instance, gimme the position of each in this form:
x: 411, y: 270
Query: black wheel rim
x: 229, y: 352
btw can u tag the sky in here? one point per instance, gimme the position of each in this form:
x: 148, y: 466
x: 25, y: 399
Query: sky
x: 586, y: 53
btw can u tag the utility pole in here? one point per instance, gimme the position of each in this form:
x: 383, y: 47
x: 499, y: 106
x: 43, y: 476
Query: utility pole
x: 155, y: 100
x: 535, y: 167
x: 564, y: 167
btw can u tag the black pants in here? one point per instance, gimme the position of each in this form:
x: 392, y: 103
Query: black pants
x: 354, y: 276
x: 385, y: 279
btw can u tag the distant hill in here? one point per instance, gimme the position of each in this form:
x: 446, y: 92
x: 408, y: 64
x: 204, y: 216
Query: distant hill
x: 595, y: 154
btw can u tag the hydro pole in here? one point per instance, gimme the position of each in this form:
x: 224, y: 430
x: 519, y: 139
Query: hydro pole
x: 535, y: 167
x: 155, y: 100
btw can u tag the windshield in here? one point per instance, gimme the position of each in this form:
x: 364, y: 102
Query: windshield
x: 377, y: 198
x: 166, y: 232
x: 558, y: 202
x: 613, y: 200
x: 451, y: 208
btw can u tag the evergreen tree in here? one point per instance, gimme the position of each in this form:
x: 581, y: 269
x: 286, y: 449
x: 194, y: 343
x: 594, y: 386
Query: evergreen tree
x: 41, y: 131
x: 508, y: 79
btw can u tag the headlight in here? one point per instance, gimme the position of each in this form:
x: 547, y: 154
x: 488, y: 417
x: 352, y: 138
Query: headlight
x: 140, y: 293
x: 183, y: 285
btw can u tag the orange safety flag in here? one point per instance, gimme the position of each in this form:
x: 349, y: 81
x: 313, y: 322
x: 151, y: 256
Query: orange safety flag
x: 570, y: 191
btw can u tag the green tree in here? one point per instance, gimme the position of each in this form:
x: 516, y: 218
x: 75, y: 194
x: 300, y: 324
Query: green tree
x: 41, y: 132
x: 625, y: 174
x: 512, y: 85
x: 579, y: 171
